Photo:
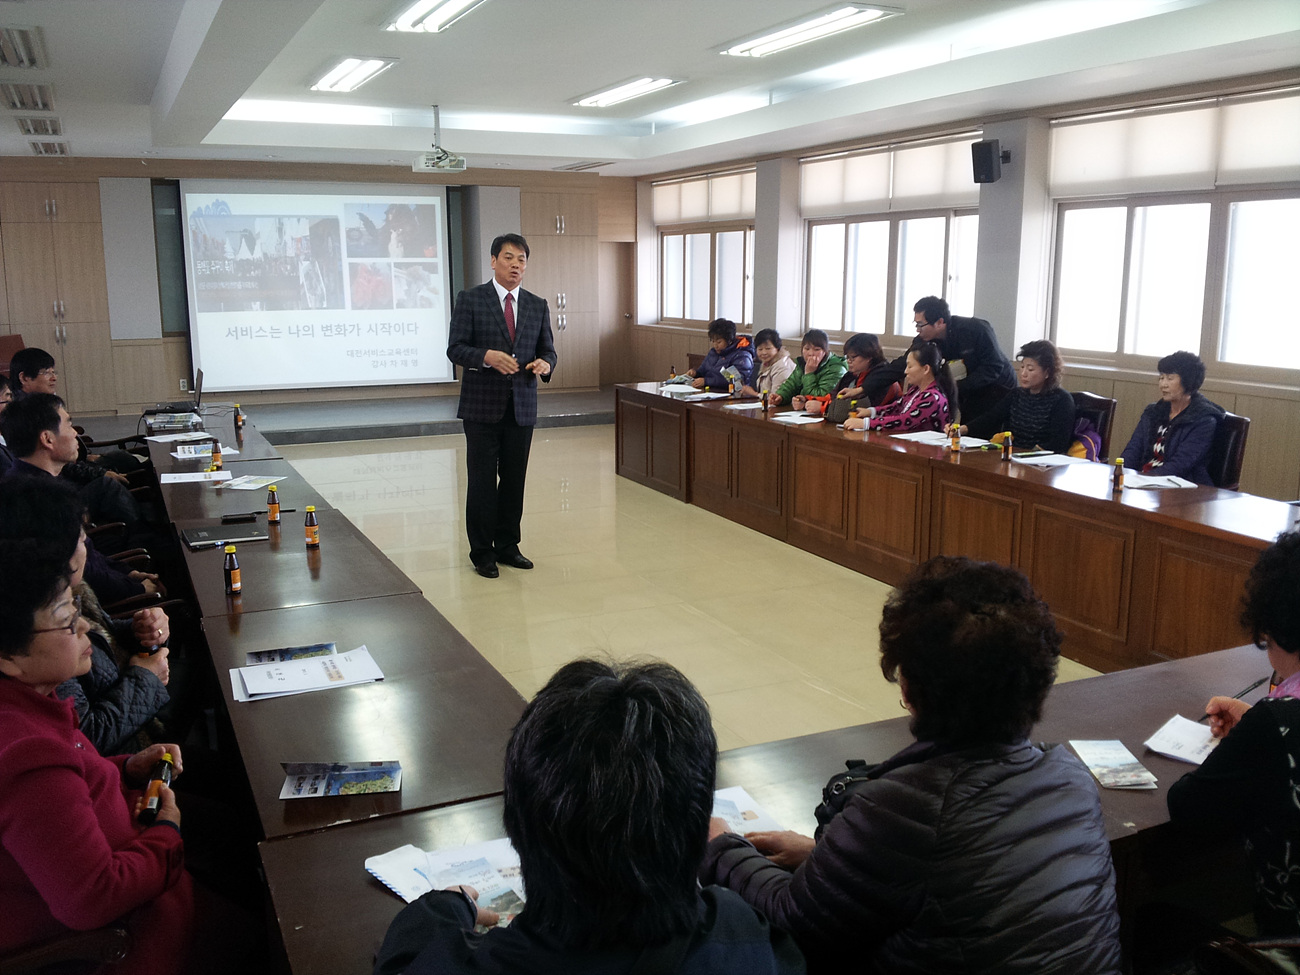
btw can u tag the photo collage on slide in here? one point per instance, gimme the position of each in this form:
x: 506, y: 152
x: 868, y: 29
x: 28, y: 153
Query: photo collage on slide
x: 392, y: 255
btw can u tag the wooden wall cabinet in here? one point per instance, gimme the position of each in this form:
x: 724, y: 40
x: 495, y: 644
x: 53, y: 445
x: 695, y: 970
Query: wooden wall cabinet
x: 563, y: 270
x: 566, y: 213
x: 46, y: 202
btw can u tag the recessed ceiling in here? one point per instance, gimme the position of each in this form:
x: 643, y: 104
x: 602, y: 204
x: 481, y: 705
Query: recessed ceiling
x: 229, y: 79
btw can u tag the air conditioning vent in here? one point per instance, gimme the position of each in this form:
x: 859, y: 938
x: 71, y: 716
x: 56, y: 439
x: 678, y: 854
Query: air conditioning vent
x: 580, y: 167
x: 49, y: 148
x: 34, y: 125
x: 22, y: 47
x: 27, y: 98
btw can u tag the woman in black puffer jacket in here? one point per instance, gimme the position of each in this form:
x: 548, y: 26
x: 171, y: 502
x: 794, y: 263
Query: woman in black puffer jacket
x: 970, y: 851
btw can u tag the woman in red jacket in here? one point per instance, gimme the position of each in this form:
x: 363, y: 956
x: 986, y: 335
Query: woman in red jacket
x: 73, y: 852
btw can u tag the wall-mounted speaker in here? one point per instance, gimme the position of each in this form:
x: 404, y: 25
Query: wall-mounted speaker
x: 987, y: 158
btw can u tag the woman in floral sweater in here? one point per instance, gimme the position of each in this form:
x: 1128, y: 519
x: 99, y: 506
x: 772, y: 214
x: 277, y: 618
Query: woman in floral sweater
x: 928, y: 403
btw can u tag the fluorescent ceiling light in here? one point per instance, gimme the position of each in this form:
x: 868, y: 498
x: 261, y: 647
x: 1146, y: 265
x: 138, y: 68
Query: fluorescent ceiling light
x: 431, y: 16
x: 351, y: 73
x: 624, y: 92
x: 844, y: 17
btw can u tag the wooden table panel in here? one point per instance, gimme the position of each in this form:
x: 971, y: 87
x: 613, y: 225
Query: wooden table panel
x: 667, y: 443
x: 890, y: 501
x: 1196, y: 597
x: 631, y: 444
x: 1083, y: 569
x: 650, y: 439
x: 819, y: 491
x: 711, y: 461
x: 198, y: 500
x: 974, y: 522
x: 760, y: 478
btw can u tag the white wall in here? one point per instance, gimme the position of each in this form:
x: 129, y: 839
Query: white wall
x: 130, y: 260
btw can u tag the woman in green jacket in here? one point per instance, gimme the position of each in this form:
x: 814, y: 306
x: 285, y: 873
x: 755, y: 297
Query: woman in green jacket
x: 815, y: 372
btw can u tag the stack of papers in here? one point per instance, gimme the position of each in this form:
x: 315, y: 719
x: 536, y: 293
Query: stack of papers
x: 185, y: 477
x: 749, y: 404
x: 251, y: 482
x: 937, y: 438
x: 1183, y: 739
x: 1114, y: 765
x: 302, y: 676
x: 1132, y: 479
x: 180, y: 437
x: 797, y: 418
x: 700, y: 396
x: 1050, y: 460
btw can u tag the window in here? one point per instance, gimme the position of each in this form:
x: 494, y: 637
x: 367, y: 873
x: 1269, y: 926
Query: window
x: 1263, y: 252
x: 707, y: 274
x: 865, y: 274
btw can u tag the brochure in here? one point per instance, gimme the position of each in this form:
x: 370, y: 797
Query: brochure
x: 1114, y: 766
x: 308, y: 780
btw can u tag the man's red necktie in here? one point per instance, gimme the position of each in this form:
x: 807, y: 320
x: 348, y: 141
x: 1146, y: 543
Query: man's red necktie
x: 510, y: 316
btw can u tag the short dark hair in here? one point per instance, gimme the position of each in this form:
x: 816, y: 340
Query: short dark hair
x: 1044, y: 353
x: 976, y: 648
x: 1269, y: 607
x: 723, y: 328
x: 608, y: 791
x: 767, y: 335
x: 929, y: 354
x: 1188, y: 366
x: 40, y: 525
x: 866, y: 345
x: 933, y: 308
x: 28, y: 362
x: 4, y: 382
x: 515, y: 240
x: 27, y: 418
x: 815, y: 336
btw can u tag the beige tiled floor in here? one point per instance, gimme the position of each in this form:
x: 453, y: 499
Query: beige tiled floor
x: 625, y: 571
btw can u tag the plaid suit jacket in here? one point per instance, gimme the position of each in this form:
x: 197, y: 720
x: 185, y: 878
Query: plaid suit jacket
x: 478, y: 324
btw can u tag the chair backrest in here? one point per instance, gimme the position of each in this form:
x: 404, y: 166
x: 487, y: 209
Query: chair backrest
x: 1228, y: 451
x: 1101, y: 411
x: 9, y: 344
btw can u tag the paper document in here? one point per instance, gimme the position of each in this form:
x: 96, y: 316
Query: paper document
x: 747, y: 405
x: 1049, y: 460
x: 1114, y: 765
x: 255, y: 657
x: 308, y: 780
x: 1183, y: 739
x: 187, y: 477
x: 798, y: 419
x: 250, y: 482
x: 937, y: 438
x: 1132, y: 479
x: 180, y: 437
x: 742, y: 813
x: 491, y: 868
x: 701, y: 396
x: 265, y: 681
x: 187, y: 451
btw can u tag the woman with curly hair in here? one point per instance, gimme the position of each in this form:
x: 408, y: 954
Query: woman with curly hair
x: 972, y: 850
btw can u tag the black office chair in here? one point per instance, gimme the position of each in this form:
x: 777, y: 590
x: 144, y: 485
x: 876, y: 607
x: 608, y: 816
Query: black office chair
x: 101, y: 946
x: 1101, y: 411
x: 1228, y: 451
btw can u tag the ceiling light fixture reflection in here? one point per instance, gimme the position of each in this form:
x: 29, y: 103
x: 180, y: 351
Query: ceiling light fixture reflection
x: 431, y: 16
x: 351, y: 73
x: 624, y: 92
x: 841, y: 18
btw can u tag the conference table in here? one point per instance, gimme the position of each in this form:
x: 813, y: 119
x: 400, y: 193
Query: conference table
x: 187, y: 500
x: 333, y: 914
x: 1133, y: 577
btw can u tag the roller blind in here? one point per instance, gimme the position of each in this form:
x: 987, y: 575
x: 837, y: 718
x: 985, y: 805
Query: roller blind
x: 905, y: 177
x: 727, y: 196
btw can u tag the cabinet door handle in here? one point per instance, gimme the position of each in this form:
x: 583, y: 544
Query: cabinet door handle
x: 564, y: 228
x: 63, y: 313
x: 47, y: 208
x: 55, y: 313
x: 54, y: 205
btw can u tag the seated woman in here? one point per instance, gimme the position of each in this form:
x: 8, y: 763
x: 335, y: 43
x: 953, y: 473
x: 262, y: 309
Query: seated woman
x: 1248, y: 785
x: 972, y: 850
x: 869, y: 376
x: 1039, y: 413
x: 727, y: 350
x: 815, y: 374
x: 608, y: 788
x: 773, y: 367
x: 929, y: 400
x: 1175, y: 433
x: 73, y: 854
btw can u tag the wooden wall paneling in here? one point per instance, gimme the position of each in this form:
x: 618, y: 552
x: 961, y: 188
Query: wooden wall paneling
x: 1132, y: 399
x: 30, y: 276
x: 1271, y: 469
x: 973, y: 521
x: 1195, y: 595
x: 140, y: 370
x: 79, y: 264
x: 1082, y: 565
x: 712, y: 461
x: 617, y: 304
x: 819, y: 492
x: 759, y: 483
x: 890, y: 527
x: 177, y: 365
x: 23, y: 202
x: 1088, y: 384
x: 667, y: 449
x: 75, y: 202
x: 88, y: 379
x: 616, y: 208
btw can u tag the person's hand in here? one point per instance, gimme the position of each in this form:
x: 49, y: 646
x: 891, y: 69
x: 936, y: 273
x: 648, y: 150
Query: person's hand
x: 150, y: 627
x: 1224, y: 714
x: 539, y: 367
x: 139, y: 765
x: 814, y: 406
x: 717, y: 827
x: 798, y: 402
x: 147, y: 579
x: 502, y: 362
x: 690, y: 373
x: 962, y: 430
x: 851, y: 393
x: 485, y: 917
x: 786, y: 849
x: 168, y: 811
x: 748, y: 390
x: 155, y: 663
x: 855, y: 423
x: 774, y: 399
x: 698, y: 383
x: 120, y: 478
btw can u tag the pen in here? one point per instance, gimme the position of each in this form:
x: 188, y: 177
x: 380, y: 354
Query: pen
x: 1241, y: 693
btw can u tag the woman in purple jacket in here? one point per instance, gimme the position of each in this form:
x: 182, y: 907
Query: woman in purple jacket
x: 727, y: 350
x: 1175, y: 433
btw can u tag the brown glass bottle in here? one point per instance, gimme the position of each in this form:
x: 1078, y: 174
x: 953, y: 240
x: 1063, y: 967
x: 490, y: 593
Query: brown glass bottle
x: 272, y: 506
x: 216, y: 455
x: 234, y: 584
x: 312, y: 527
x: 159, y: 776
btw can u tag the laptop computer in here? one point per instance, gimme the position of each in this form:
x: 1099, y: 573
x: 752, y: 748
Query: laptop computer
x: 182, y: 406
x: 197, y: 538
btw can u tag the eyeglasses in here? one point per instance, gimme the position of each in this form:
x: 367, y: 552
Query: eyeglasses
x: 71, y: 625
x: 49, y: 371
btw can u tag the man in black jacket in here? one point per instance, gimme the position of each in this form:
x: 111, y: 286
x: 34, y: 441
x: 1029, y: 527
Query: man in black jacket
x: 982, y: 373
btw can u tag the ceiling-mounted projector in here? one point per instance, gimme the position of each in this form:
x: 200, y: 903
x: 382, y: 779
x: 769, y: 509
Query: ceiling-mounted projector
x: 440, y: 160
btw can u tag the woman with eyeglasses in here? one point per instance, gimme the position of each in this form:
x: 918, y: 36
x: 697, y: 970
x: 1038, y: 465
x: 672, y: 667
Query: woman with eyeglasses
x: 74, y: 854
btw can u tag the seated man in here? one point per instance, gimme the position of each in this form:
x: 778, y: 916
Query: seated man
x: 726, y: 351
x: 608, y: 790
x: 40, y: 435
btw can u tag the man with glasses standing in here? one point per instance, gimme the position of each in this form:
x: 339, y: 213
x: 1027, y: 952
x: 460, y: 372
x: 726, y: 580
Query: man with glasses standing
x: 981, y: 370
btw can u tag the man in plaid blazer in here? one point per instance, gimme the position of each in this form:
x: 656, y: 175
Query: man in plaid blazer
x: 501, y: 337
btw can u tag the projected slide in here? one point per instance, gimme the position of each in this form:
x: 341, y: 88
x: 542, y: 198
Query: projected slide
x: 292, y: 290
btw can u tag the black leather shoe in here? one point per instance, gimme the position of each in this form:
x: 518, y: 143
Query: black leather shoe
x: 515, y: 561
x: 488, y: 570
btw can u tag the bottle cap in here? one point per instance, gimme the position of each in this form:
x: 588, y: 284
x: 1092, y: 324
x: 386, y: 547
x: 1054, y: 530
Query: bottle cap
x: 167, y: 757
x: 236, y: 406
x: 230, y: 550
x: 311, y: 507
x: 272, y: 489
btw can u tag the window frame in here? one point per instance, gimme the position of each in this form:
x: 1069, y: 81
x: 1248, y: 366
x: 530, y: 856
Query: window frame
x: 712, y: 228
x: 889, y: 335
x: 1216, y: 279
